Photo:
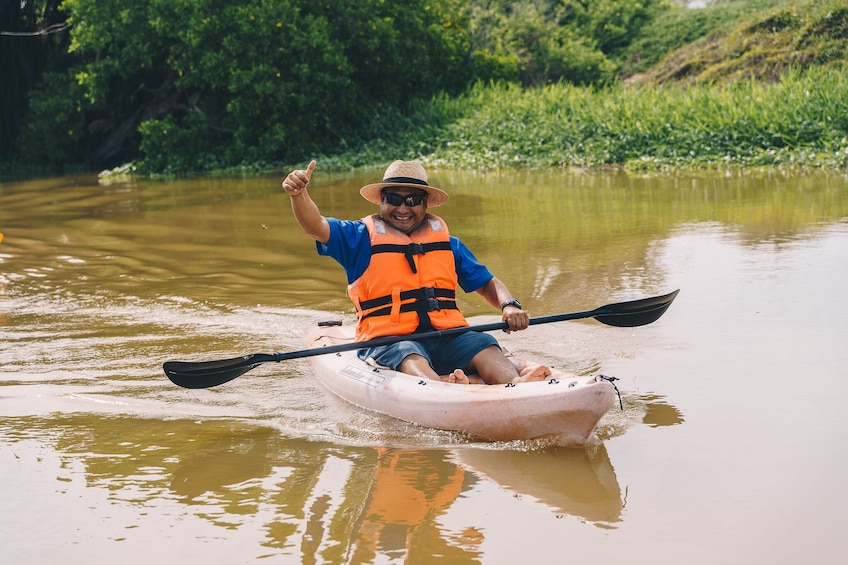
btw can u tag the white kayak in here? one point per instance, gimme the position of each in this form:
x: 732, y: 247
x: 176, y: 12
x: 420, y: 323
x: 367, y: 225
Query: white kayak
x: 564, y: 405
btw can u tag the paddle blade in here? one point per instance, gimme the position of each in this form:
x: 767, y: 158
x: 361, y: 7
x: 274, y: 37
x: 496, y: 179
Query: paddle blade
x: 636, y: 312
x: 206, y: 374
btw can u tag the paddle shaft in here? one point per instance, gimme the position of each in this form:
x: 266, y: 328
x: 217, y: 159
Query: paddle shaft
x: 388, y: 340
x: 205, y: 374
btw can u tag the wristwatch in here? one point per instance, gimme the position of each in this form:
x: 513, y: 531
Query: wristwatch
x: 512, y: 302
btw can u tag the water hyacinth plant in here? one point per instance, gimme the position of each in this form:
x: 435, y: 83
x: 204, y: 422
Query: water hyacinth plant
x: 800, y: 121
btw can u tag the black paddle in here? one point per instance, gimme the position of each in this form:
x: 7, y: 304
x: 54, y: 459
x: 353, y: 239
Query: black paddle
x: 206, y: 374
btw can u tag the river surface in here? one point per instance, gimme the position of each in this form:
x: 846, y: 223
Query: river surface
x: 730, y: 447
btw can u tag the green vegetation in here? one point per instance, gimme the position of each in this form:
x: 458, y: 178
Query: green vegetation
x: 180, y: 86
x: 204, y: 84
x: 781, y: 36
x: 671, y: 30
x: 800, y: 121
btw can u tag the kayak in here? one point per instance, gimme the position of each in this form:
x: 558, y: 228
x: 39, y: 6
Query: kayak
x: 563, y: 405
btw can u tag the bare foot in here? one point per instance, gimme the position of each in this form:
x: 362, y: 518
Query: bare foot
x: 532, y: 373
x: 458, y: 377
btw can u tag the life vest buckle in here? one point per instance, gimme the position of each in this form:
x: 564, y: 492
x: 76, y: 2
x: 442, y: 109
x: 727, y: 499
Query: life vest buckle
x: 431, y: 300
x: 413, y: 249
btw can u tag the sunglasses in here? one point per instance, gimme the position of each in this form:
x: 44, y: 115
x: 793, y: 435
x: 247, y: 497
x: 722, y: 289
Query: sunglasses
x: 408, y: 199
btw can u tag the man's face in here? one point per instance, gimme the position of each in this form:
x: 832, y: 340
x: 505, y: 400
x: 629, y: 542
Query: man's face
x: 399, y: 208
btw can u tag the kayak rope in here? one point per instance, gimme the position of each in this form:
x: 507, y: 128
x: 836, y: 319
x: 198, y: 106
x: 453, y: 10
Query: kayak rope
x: 611, y: 380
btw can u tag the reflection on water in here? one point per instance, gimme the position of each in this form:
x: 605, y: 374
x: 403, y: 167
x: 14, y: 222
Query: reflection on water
x: 309, y: 499
x: 659, y: 412
x: 573, y: 482
x: 233, y: 242
x: 409, y: 492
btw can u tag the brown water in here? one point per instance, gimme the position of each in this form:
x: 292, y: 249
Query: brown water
x: 729, y: 448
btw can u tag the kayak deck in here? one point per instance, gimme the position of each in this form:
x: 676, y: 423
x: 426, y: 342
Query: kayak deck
x: 564, y: 405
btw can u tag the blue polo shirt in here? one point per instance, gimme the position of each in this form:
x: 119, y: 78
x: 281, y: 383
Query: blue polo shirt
x: 350, y: 245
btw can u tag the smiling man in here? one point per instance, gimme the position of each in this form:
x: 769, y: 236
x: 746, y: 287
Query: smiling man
x: 403, y: 269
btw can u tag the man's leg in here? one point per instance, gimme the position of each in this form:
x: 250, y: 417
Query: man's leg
x: 418, y: 366
x: 495, y: 368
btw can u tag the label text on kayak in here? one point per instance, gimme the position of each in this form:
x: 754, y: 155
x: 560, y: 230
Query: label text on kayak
x: 370, y: 378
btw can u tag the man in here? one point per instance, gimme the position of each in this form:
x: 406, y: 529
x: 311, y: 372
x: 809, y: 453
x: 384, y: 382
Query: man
x: 403, y: 268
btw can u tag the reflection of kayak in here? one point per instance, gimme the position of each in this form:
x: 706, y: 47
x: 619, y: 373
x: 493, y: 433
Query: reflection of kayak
x: 577, y: 482
x: 565, y: 405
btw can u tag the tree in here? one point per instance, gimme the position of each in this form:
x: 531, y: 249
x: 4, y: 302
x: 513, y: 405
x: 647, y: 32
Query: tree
x: 33, y: 33
x: 576, y: 41
x: 259, y: 80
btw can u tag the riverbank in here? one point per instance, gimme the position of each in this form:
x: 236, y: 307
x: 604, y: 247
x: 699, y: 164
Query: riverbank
x: 799, y: 122
x: 738, y: 85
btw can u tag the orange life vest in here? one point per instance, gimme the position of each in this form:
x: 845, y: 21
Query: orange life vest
x: 410, y: 283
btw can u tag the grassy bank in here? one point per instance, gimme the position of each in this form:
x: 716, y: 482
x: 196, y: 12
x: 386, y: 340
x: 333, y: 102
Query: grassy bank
x: 739, y: 40
x: 800, y: 121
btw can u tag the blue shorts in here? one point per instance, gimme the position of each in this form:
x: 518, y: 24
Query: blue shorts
x: 444, y: 353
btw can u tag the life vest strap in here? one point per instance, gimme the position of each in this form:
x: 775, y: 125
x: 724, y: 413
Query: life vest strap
x: 411, y: 249
x: 428, y: 294
x: 420, y: 306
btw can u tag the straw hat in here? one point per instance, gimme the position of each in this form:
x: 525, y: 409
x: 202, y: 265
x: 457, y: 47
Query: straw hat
x: 408, y: 174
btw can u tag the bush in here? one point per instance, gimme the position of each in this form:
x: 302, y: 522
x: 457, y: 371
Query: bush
x: 282, y: 78
x: 173, y: 145
x: 55, y: 134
